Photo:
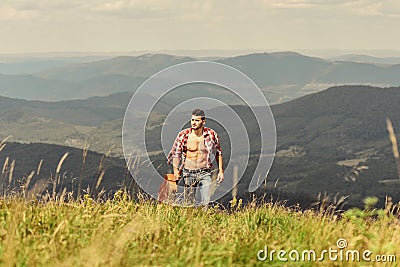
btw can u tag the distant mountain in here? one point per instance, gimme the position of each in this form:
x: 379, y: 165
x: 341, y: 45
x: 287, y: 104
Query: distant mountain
x: 361, y: 73
x: 140, y: 67
x: 33, y: 65
x: 32, y: 87
x: 35, y: 88
x: 89, y: 112
x: 282, y: 76
x: 367, y: 59
x: 278, y: 68
x: 345, y: 118
x: 97, y: 120
x: 286, y: 75
x: 84, y: 80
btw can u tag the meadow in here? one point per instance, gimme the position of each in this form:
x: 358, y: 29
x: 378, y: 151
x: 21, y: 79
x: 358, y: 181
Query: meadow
x: 123, y: 232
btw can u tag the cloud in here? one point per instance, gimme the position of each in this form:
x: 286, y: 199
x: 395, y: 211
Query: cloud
x: 387, y: 8
x: 365, y: 7
x: 155, y: 10
x: 288, y: 4
x: 355, y: 7
x: 132, y: 4
x: 110, y: 6
x: 189, y: 11
x: 97, y: 10
x: 115, y: 24
x: 44, y: 5
x: 9, y: 13
x: 199, y: 11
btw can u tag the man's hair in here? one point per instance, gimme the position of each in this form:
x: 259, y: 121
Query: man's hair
x: 199, y: 112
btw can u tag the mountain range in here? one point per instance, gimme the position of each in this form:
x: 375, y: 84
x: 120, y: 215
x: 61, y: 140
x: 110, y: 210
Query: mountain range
x: 281, y: 76
x: 25, y: 64
x: 367, y: 59
x: 333, y: 141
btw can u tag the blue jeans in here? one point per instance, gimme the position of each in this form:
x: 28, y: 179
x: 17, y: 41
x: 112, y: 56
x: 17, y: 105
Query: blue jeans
x: 200, y: 179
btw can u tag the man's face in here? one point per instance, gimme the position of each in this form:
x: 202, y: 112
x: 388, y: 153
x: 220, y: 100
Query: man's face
x: 197, y: 122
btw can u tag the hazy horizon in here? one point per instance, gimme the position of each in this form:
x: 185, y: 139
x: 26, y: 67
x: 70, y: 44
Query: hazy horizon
x: 200, y: 53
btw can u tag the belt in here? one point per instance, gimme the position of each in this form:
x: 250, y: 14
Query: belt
x: 197, y: 170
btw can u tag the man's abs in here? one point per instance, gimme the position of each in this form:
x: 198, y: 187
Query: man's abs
x: 195, y: 160
x: 196, y: 155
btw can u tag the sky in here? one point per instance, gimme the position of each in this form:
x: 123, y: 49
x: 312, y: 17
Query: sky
x: 41, y: 26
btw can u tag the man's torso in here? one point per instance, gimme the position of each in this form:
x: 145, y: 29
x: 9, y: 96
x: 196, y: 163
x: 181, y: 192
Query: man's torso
x: 196, y: 153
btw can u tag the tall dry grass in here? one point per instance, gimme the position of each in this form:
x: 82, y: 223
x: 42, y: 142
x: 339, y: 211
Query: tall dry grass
x: 121, y: 232
x: 58, y: 229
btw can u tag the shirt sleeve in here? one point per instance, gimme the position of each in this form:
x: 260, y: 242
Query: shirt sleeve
x: 218, y: 149
x: 176, y: 149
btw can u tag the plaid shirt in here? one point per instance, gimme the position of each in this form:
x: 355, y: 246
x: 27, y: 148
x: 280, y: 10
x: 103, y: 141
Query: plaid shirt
x: 211, y: 143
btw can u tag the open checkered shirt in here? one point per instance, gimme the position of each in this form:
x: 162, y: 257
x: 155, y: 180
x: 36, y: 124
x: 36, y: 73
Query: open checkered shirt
x: 211, y: 143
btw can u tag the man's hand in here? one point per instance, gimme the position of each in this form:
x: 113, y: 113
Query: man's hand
x: 176, y: 176
x: 220, y: 177
x: 175, y: 163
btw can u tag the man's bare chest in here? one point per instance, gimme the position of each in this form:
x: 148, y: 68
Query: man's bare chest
x: 195, y: 143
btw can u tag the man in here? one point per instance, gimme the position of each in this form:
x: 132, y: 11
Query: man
x: 193, y: 148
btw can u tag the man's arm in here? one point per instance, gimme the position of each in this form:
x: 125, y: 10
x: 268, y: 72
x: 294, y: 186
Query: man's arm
x: 220, y: 178
x: 175, y: 164
x: 175, y: 155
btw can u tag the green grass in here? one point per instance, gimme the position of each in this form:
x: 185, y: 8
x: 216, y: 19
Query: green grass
x: 121, y: 232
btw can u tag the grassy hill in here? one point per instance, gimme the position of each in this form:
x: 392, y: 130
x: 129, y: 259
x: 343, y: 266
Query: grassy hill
x: 120, y: 232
